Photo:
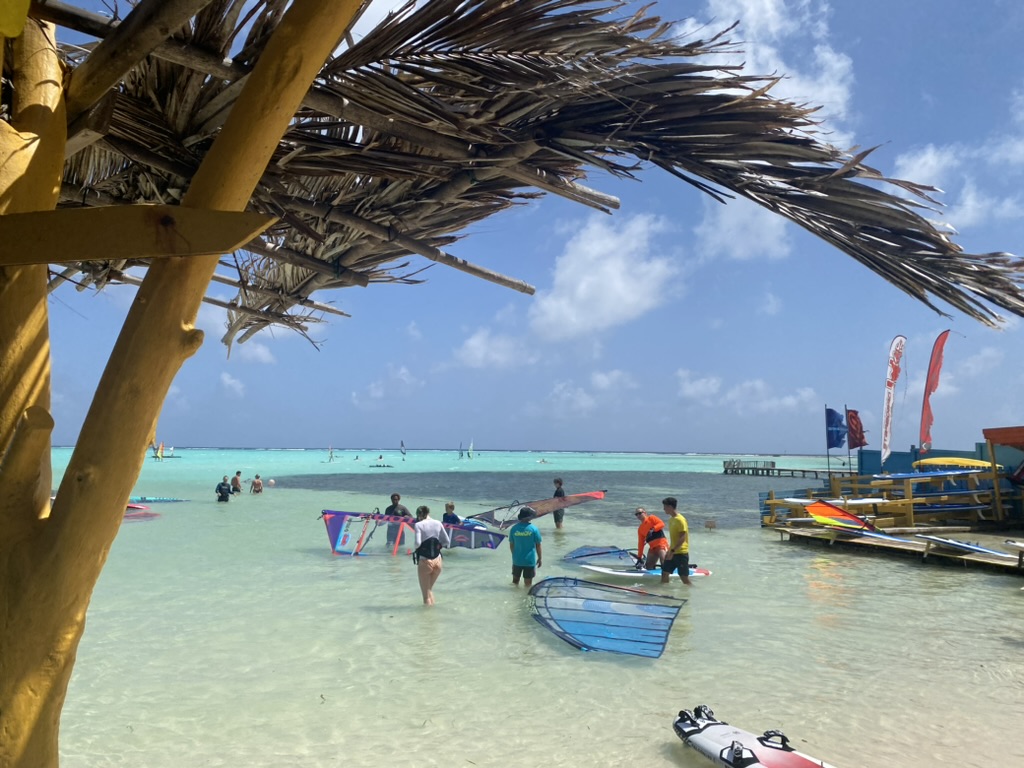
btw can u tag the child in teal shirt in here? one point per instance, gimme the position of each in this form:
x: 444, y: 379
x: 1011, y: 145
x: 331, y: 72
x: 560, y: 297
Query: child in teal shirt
x: 524, y: 541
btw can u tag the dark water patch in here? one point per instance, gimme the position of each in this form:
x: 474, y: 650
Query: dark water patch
x: 729, y: 501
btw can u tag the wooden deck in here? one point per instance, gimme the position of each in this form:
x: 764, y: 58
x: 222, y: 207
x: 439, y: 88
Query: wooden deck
x: 919, y: 550
x: 767, y: 468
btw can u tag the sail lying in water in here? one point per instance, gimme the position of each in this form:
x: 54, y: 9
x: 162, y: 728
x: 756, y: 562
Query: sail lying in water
x: 505, y: 517
x: 473, y: 537
x: 600, y: 617
x: 596, y: 554
x: 351, y: 532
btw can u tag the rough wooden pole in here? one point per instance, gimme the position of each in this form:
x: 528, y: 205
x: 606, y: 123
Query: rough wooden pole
x: 31, y: 158
x: 46, y: 599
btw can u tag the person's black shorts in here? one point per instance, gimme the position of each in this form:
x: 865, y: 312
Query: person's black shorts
x: 523, y: 570
x: 680, y: 563
x: 559, y: 515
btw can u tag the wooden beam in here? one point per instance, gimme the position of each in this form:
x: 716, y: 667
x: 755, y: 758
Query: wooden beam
x: 124, y: 232
x: 90, y: 126
x: 150, y: 23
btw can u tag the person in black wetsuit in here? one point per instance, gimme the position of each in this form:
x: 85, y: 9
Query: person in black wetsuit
x: 394, y: 529
x: 223, y: 490
x: 558, y: 514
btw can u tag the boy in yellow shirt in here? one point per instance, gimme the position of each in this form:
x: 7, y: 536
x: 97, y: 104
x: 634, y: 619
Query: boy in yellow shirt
x: 678, y: 556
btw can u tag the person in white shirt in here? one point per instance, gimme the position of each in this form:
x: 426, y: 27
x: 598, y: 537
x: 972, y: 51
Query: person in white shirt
x: 431, y: 538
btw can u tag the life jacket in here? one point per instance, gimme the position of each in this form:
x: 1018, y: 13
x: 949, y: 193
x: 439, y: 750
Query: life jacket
x: 655, y: 534
x: 429, y: 549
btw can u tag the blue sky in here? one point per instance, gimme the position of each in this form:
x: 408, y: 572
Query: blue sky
x: 676, y: 324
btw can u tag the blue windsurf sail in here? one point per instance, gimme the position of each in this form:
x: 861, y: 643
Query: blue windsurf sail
x: 596, y: 554
x: 473, y: 536
x: 600, y: 617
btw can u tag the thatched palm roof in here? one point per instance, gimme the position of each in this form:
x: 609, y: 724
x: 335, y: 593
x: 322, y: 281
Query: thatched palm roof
x: 449, y: 113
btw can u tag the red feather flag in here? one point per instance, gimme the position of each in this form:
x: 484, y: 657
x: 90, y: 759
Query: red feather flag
x: 931, y: 384
x: 855, y: 430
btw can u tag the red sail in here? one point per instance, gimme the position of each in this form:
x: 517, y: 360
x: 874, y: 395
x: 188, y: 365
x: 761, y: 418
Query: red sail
x: 891, y: 376
x: 931, y: 384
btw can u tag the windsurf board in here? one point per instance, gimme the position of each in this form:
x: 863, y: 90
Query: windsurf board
x: 633, y: 573
x: 963, y: 546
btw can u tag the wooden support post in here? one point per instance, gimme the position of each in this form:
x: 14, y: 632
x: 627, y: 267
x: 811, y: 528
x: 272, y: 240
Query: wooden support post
x: 45, y: 616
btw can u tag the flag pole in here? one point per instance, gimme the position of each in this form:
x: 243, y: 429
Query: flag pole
x: 849, y: 457
x: 828, y: 454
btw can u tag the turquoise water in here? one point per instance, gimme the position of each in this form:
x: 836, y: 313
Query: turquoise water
x: 228, y: 634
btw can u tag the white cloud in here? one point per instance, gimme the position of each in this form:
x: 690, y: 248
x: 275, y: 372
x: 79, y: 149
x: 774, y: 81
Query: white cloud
x: 946, y: 167
x: 983, y: 363
x: 611, y: 381
x: 772, y: 304
x: 741, y: 230
x: 604, y: 278
x: 701, y: 389
x: 1017, y: 106
x: 762, y: 19
x: 256, y: 352
x: 398, y: 382
x: 930, y: 165
x: 486, y: 350
x: 212, y: 321
x: 232, y: 385
x: 974, y: 207
x: 818, y: 76
x: 414, y: 331
x: 756, y: 396
x: 566, y: 398
x: 176, y: 396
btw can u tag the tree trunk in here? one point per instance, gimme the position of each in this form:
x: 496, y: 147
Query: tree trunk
x: 53, y: 560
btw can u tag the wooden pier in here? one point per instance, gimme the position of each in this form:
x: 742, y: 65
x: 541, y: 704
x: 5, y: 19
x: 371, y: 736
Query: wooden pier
x: 767, y: 468
x: 920, y: 550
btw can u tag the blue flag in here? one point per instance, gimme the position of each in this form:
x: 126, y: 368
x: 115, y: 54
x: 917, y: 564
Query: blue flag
x: 835, y: 429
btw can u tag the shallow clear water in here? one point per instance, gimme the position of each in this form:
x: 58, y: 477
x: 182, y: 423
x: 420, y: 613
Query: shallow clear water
x: 228, y: 634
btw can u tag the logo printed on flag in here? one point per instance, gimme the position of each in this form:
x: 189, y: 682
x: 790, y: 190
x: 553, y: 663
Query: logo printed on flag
x: 856, y: 429
x: 835, y: 429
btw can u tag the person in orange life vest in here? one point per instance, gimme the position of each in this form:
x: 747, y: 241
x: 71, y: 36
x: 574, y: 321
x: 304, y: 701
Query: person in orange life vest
x: 651, y: 531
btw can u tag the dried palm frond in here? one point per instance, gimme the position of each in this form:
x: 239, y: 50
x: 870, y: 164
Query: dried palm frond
x: 454, y: 110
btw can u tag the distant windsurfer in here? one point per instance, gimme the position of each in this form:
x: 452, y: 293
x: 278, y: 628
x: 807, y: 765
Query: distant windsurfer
x: 431, y: 538
x: 223, y: 490
x: 524, y: 540
x: 160, y: 451
x: 330, y: 454
x: 651, y: 531
x: 395, y: 532
x: 678, y: 556
x: 558, y: 514
x: 449, y: 517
